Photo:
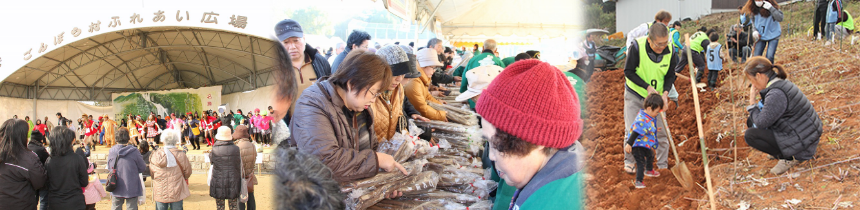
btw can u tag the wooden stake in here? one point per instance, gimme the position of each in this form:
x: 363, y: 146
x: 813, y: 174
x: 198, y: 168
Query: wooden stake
x: 699, y: 125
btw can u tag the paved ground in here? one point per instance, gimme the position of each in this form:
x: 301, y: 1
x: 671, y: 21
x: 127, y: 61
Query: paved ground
x: 200, y: 199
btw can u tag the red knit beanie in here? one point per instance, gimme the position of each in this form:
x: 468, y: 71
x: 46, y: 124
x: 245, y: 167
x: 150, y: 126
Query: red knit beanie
x: 534, y: 101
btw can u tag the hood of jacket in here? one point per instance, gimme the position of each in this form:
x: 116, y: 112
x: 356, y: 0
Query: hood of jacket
x: 158, y: 158
x: 124, y: 151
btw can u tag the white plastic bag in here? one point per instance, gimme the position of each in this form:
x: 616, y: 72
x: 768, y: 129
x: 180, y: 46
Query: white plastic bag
x: 209, y: 176
x: 142, y: 199
x: 243, y: 195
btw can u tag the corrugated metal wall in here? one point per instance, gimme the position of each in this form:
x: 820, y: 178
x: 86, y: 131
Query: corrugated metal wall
x: 632, y: 13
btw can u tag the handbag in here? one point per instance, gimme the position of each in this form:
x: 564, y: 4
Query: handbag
x: 243, y: 196
x: 110, y: 186
x: 196, y: 131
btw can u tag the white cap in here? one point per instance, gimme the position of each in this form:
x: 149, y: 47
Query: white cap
x: 428, y: 57
x: 479, y: 78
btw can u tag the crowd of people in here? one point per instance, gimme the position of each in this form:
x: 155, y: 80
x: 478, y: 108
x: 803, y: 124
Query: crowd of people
x: 60, y: 175
x: 369, y: 93
x: 784, y: 126
x: 341, y: 104
x: 194, y: 127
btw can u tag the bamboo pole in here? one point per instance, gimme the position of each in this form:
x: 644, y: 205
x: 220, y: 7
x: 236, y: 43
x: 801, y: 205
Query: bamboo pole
x: 699, y: 125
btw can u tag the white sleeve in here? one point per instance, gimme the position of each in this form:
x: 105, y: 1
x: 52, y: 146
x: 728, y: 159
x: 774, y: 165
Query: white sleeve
x: 637, y: 32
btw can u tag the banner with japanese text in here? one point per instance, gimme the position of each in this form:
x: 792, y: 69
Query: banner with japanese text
x: 164, y: 103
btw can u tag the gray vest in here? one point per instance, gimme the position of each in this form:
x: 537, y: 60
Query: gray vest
x: 797, y: 131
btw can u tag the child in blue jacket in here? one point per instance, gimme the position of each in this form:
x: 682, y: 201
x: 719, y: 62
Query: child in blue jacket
x: 642, y: 140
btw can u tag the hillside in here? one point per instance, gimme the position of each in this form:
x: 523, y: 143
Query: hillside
x: 828, y: 75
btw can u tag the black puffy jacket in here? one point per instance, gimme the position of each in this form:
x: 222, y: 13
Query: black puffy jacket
x: 226, y: 176
x: 798, y: 130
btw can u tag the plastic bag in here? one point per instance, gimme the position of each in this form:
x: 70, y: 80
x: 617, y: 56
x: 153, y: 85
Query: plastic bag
x: 443, y: 195
x: 420, y: 183
x: 457, y: 115
x: 424, y: 150
x: 413, y: 167
x: 400, y: 146
x: 363, y: 198
x: 457, y: 177
x: 414, y: 130
x: 444, y: 144
x: 481, y: 205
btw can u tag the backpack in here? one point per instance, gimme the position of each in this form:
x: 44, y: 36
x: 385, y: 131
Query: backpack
x: 110, y: 186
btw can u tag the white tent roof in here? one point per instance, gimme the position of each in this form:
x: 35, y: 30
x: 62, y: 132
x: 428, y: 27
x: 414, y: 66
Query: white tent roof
x: 142, y: 56
x: 546, y: 18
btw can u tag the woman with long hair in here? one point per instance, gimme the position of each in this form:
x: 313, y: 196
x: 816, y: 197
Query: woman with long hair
x: 151, y: 129
x: 67, y: 172
x: 131, y: 125
x: 22, y: 172
x: 90, y: 130
x: 766, y: 17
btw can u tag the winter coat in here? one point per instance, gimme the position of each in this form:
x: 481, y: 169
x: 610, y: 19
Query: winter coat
x: 145, y: 157
x: 226, y: 176
x: 67, y: 174
x: 769, y: 27
x: 94, y: 191
x: 19, y: 180
x: 834, y: 11
x: 170, y: 185
x: 321, y: 128
x: 129, y: 165
x: 387, y: 113
x: 249, y: 157
x: 558, y: 185
x: 39, y: 149
x: 321, y: 66
x: 798, y: 130
x: 418, y: 92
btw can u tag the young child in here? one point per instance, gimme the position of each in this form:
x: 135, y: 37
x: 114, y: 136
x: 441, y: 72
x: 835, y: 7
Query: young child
x: 642, y: 140
x: 715, y: 57
x: 94, y: 192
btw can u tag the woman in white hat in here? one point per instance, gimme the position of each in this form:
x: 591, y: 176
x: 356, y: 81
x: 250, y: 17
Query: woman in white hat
x: 226, y: 174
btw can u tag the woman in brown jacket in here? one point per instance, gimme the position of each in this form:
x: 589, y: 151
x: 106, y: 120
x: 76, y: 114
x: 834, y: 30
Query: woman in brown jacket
x: 388, y: 108
x: 248, y: 153
x: 332, y: 120
x: 418, y: 90
x: 170, y: 169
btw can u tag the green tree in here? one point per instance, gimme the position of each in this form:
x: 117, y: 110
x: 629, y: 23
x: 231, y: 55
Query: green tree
x: 597, y: 18
x: 313, y: 20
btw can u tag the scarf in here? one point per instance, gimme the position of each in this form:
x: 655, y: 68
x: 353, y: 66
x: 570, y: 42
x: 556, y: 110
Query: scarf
x: 171, y: 161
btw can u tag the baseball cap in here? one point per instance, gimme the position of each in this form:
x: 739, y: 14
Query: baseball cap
x: 428, y: 57
x: 288, y: 28
x: 479, y: 78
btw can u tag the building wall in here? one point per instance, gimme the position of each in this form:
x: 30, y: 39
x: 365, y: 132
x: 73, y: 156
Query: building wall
x: 632, y: 13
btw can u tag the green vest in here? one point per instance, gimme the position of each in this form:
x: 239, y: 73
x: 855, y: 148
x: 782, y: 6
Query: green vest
x: 649, y: 70
x: 848, y: 23
x: 672, y: 38
x: 696, y: 41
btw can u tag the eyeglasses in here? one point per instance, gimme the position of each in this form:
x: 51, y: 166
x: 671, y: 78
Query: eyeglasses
x: 659, y: 44
x: 374, y: 94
